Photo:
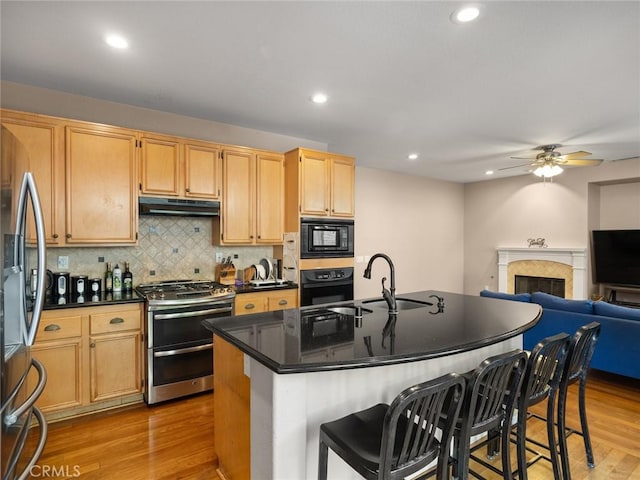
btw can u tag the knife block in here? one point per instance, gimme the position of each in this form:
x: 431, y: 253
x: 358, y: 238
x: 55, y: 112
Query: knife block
x: 226, y: 274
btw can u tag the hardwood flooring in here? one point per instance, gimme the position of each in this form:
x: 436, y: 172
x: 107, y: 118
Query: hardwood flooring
x: 175, y: 440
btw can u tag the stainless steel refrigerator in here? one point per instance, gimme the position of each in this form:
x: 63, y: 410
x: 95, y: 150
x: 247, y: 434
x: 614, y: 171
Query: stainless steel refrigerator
x: 23, y: 254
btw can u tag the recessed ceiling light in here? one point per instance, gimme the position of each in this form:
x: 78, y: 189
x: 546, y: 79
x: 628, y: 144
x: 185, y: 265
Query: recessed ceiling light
x: 489, y: 172
x: 465, y: 14
x: 117, y: 41
x: 413, y: 156
x: 319, y: 98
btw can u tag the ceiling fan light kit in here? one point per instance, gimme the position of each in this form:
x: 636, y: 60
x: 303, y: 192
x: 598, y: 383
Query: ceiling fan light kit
x: 548, y: 171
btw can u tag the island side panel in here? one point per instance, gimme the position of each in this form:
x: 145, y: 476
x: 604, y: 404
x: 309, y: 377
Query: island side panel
x: 291, y: 407
x: 232, y: 415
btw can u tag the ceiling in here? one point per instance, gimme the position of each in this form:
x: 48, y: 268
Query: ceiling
x: 401, y: 76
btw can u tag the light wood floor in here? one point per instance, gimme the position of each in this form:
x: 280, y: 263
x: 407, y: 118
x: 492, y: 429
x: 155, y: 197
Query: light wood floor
x: 175, y: 440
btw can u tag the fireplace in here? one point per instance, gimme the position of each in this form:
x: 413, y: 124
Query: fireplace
x: 529, y: 284
x: 566, y: 264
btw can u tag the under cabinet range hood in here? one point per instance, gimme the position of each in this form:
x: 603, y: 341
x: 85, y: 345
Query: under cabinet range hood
x: 178, y: 207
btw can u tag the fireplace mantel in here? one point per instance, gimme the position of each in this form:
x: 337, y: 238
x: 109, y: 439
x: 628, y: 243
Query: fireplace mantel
x: 575, y: 257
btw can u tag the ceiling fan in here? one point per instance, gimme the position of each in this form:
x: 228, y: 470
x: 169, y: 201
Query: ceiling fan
x: 549, y: 162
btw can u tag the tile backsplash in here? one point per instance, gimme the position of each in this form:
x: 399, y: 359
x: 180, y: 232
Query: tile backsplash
x: 168, y: 248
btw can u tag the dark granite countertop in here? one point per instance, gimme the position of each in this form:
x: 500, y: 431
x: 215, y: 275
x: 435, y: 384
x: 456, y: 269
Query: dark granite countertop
x: 92, y: 301
x: 313, y: 338
x: 248, y: 288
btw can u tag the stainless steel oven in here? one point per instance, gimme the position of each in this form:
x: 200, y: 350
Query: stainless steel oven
x: 326, y: 286
x: 179, y: 358
x: 326, y: 238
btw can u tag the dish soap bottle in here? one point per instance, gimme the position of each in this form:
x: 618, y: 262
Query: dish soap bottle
x: 117, y: 279
x: 127, y: 279
x: 108, y: 279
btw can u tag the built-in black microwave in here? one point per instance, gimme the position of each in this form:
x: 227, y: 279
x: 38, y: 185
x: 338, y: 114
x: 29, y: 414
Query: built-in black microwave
x: 326, y: 238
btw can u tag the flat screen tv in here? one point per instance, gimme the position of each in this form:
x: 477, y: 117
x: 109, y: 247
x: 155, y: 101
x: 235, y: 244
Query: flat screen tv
x: 616, y: 257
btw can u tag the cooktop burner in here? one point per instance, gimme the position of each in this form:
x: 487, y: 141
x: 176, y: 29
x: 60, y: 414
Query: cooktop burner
x: 176, y: 290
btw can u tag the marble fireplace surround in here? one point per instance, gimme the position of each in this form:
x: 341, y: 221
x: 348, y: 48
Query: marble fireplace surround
x: 567, y: 263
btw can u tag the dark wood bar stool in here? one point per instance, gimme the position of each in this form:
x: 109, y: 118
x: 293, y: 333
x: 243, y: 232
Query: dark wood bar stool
x: 492, y: 389
x: 583, y: 344
x: 393, y: 441
x: 541, y: 382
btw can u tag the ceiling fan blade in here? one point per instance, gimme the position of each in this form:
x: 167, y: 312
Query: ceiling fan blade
x: 576, y: 155
x: 524, y: 158
x: 582, y: 162
x: 518, y: 166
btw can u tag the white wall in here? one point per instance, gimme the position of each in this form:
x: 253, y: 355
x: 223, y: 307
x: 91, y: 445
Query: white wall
x: 506, y: 212
x: 418, y: 222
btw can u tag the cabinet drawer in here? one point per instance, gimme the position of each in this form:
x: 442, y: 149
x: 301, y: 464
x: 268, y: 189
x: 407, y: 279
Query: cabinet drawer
x: 114, y: 321
x: 250, y: 303
x: 59, y: 327
x: 283, y: 300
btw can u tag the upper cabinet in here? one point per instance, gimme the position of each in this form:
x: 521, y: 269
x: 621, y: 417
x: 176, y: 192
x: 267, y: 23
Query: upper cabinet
x: 252, y: 198
x: 101, y: 201
x: 43, y: 139
x: 319, y: 184
x: 178, y: 167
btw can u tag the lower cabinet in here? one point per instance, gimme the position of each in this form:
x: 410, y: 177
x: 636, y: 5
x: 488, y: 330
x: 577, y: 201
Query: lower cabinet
x: 93, y: 358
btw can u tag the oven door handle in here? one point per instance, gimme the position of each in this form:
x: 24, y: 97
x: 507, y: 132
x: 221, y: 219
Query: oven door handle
x: 197, y: 313
x: 180, y: 351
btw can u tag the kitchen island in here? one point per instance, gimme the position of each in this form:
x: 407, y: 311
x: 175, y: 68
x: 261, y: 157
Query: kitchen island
x: 279, y: 375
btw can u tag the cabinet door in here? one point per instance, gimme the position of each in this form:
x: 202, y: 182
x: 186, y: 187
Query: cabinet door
x: 114, y: 365
x: 202, y: 172
x: 101, y: 204
x: 63, y: 364
x: 160, y: 166
x: 314, y: 185
x: 238, y: 171
x: 342, y: 187
x: 270, y: 199
x: 44, y: 144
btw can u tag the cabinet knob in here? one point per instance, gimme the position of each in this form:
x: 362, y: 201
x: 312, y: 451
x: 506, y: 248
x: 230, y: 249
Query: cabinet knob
x: 249, y: 306
x: 68, y: 235
x: 52, y: 328
x: 55, y: 235
x: 259, y: 237
x: 92, y: 345
x: 250, y: 236
x: 187, y: 190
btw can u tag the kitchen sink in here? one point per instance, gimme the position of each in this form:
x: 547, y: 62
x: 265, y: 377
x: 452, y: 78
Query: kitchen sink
x: 348, y: 309
x: 401, y: 303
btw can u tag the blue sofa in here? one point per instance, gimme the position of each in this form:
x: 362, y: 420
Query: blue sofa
x: 618, y: 348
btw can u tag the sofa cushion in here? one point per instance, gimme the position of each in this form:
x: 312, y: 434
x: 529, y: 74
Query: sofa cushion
x: 518, y: 297
x: 618, y: 311
x: 546, y: 300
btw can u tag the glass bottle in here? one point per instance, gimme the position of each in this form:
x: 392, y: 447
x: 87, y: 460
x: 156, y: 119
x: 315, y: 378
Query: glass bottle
x: 127, y: 279
x: 117, y: 279
x: 108, y: 279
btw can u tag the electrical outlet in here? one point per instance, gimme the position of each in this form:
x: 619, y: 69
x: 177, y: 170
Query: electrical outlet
x: 63, y: 262
x: 219, y: 257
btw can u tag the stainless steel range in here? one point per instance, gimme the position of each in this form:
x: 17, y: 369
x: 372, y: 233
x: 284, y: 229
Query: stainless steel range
x: 179, y: 358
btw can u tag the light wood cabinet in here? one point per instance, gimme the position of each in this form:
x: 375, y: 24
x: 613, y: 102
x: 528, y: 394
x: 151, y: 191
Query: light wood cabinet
x: 43, y: 139
x: 59, y: 349
x: 318, y: 184
x: 93, y: 358
x: 252, y: 199
x: 179, y: 167
x: 269, y: 301
x: 101, y: 206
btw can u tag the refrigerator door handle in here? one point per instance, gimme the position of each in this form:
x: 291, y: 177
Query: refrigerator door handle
x: 13, y: 416
x: 29, y: 188
x: 26, y: 473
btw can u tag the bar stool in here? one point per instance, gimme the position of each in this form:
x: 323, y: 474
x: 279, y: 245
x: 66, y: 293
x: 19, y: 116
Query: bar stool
x: 488, y: 406
x: 541, y: 382
x: 393, y: 441
x: 581, y: 349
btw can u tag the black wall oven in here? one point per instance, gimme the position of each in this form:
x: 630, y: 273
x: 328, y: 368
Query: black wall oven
x: 326, y: 286
x: 326, y: 238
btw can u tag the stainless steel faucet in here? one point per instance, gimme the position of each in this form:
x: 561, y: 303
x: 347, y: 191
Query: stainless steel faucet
x: 389, y: 295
